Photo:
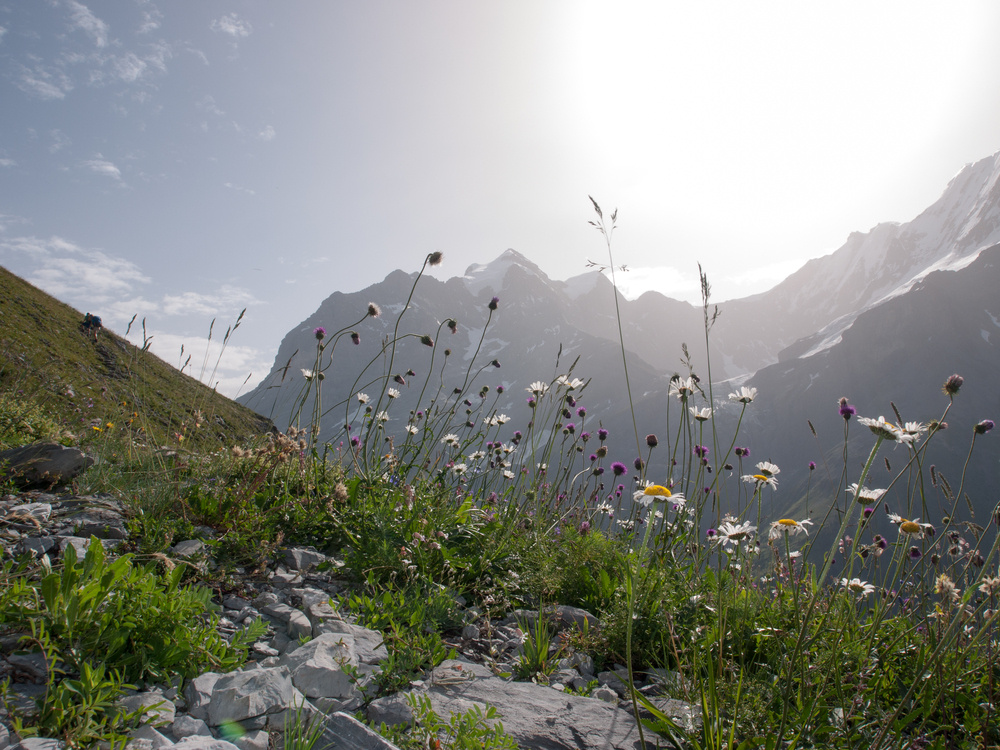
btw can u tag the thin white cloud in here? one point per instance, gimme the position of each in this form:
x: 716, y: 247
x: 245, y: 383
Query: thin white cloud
x: 128, y: 67
x: 59, y: 141
x: 151, y: 17
x: 193, y: 303
x: 240, y: 188
x: 207, y: 104
x: 87, y: 22
x: 204, y: 359
x: 267, y: 134
x: 102, y: 166
x: 4, y: 162
x: 74, y: 274
x: 233, y: 25
x: 2, y: 32
x: 43, y: 81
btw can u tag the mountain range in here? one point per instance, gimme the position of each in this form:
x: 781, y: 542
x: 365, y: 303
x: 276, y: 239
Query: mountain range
x: 883, y: 320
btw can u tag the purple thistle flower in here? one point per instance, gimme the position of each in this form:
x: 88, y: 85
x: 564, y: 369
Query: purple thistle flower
x: 593, y: 457
x: 319, y: 332
x: 584, y: 528
x: 952, y: 384
x: 581, y: 412
x: 619, y: 468
x: 598, y: 471
x: 915, y: 553
x: 585, y: 436
x: 602, y: 434
x: 651, y: 441
x: 570, y: 428
x: 638, y: 464
x: 812, y: 466
x: 846, y: 410
x: 355, y: 338
x: 355, y: 441
x: 985, y: 426
x: 867, y: 512
x: 711, y: 533
x: 701, y: 451
x: 500, y: 389
x: 493, y: 303
x: 531, y: 402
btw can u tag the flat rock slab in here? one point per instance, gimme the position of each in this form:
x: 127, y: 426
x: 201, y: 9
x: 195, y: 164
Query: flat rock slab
x: 535, y: 716
x: 43, y: 464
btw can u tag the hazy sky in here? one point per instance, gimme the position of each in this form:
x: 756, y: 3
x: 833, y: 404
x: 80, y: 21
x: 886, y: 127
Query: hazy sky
x: 181, y: 161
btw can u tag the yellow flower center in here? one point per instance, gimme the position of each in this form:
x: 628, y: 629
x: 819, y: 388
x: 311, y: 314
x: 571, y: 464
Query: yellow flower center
x: 787, y: 522
x: 760, y: 477
x: 656, y: 489
x: 909, y: 527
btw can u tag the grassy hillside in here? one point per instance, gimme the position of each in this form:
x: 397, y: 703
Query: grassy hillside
x: 56, y: 381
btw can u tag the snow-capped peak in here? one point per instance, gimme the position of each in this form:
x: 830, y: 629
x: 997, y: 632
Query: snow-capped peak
x: 481, y: 276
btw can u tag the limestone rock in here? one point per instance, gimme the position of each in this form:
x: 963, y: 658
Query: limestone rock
x: 43, y: 464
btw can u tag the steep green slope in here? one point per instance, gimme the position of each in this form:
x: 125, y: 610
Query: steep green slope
x: 53, y: 371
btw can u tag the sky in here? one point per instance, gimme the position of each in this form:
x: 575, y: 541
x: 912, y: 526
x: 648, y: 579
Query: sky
x: 179, y: 162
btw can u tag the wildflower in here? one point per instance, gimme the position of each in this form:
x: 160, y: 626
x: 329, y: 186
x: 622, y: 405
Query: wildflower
x: 701, y: 451
x: 427, y: 340
x: 569, y: 385
x: 508, y: 474
x: 309, y: 374
x: 602, y: 434
x: 952, y: 384
x: 452, y: 325
x: 742, y: 452
x: 569, y: 429
x: 857, y: 586
x: 651, y: 441
x: 912, y: 528
x: 702, y: 415
x: 435, y: 258
x: 374, y: 310
x: 744, y: 395
x: 355, y: 441
x: 656, y: 493
x: 392, y: 393
x: 619, y: 468
x: 985, y: 426
x: 846, y: 410
x: 914, y: 553
x: 355, y: 338
x: 946, y: 589
x: 581, y: 412
x: 319, y: 332
x: 788, y: 526
x: 867, y: 513
x: 732, y: 534
x: 766, y: 474
x: 598, y: 471
x: 812, y: 466
x: 450, y: 439
x: 886, y: 430
x: 412, y: 429
x: 493, y: 303
x: 682, y: 388
x: 863, y: 494
x: 363, y: 398
x: 638, y: 463
x: 990, y: 585
x: 382, y: 416
x: 459, y: 469
x: 537, y: 388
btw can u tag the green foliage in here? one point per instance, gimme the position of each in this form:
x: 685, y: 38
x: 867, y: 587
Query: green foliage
x: 473, y: 729
x: 409, y: 621
x: 539, y: 659
x: 23, y: 421
x: 303, y: 731
x: 137, y: 622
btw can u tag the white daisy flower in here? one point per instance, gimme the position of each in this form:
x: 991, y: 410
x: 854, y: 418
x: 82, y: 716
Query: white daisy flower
x: 702, y: 415
x: 788, y: 526
x: 744, y: 395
